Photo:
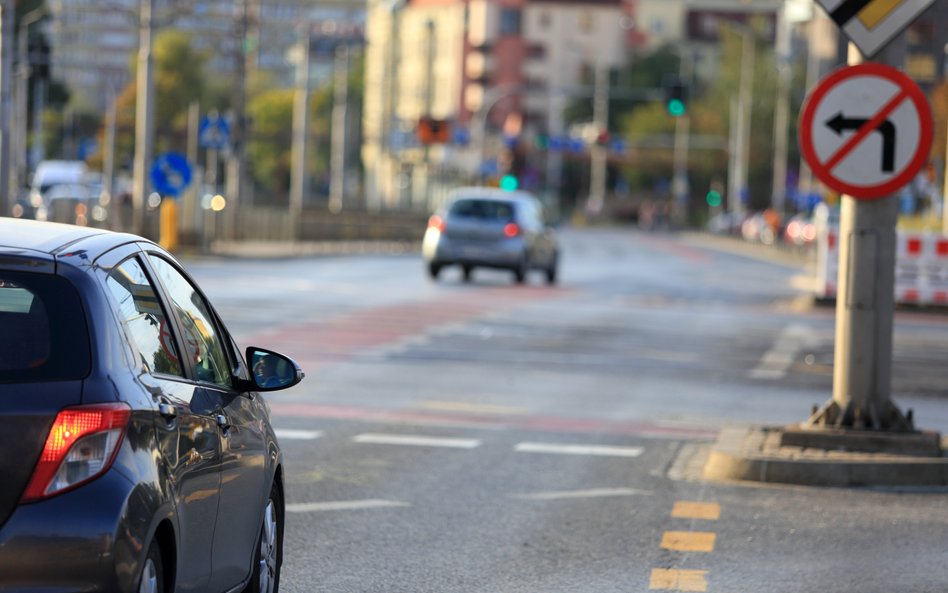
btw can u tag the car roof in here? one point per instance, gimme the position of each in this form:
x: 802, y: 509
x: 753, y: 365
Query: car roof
x: 490, y: 193
x: 44, y: 237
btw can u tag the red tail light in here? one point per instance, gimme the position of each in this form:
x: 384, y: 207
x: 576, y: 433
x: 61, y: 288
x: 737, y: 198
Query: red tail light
x: 511, y: 229
x: 81, y: 445
x: 436, y: 222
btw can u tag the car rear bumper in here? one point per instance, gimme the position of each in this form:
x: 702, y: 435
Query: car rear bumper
x: 505, y: 253
x: 81, y: 540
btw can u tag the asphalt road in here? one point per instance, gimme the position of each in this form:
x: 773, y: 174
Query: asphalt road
x: 487, y: 437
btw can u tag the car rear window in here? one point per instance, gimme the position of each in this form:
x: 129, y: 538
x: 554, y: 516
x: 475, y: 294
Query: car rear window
x: 482, y: 209
x: 43, y: 332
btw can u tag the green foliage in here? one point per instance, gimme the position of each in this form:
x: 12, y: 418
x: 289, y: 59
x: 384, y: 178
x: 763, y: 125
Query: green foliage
x: 269, y: 148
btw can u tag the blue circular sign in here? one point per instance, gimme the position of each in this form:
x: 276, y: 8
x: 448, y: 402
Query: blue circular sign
x: 171, y: 174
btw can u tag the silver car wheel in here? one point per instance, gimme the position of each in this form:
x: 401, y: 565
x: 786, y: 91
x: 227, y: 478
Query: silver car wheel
x: 268, y: 549
x: 149, y: 582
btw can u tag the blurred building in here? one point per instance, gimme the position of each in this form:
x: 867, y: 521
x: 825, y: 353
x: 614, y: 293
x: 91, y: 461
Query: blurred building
x: 482, y: 70
x: 94, y: 43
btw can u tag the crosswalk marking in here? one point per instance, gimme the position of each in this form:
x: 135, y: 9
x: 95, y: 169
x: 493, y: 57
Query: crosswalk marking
x: 343, y: 505
x: 579, y: 449
x: 574, y: 494
x: 678, y: 580
x: 415, y: 441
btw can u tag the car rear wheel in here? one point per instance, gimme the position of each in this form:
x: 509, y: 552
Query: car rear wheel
x: 266, y: 570
x: 152, y: 578
x: 551, y: 271
x: 520, y: 272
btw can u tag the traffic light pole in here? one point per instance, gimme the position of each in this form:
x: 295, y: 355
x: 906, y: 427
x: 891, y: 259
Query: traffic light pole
x: 680, y: 185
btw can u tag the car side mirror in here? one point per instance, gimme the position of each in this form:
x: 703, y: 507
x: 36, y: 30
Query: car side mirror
x: 272, y: 371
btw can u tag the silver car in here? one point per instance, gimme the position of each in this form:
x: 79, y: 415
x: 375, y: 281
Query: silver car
x: 491, y: 228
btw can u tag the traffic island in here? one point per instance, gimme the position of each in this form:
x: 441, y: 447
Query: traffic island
x: 795, y: 455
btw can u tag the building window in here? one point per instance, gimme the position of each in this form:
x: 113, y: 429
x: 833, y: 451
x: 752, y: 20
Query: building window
x: 510, y: 21
x: 545, y: 20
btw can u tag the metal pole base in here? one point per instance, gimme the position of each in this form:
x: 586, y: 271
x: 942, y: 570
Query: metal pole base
x: 888, y: 419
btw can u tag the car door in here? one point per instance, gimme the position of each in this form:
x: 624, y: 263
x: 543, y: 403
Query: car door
x: 185, y: 423
x: 215, y: 364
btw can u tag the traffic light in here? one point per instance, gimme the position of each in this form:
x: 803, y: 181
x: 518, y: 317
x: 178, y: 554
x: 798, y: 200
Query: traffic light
x: 509, y: 182
x: 676, y: 95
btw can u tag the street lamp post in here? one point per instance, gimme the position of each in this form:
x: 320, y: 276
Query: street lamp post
x: 6, y: 69
x: 298, y: 177
x: 144, y: 115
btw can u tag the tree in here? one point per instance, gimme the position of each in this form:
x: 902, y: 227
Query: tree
x: 179, y: 79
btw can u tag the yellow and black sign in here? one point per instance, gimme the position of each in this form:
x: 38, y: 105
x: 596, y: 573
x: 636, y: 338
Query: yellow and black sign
x: 871, y: 24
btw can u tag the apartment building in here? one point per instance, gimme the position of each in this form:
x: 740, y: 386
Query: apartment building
x: 491, y: 68
x: 93, y: 42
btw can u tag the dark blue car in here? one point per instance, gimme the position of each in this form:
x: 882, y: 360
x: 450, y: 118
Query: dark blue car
x: 137, y: 451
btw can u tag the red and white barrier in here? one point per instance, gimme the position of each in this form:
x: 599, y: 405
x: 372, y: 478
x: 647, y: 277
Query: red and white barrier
x: 921, y: 266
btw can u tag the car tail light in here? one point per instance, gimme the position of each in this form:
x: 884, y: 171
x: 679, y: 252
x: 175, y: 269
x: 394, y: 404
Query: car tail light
x: 511, y: 229
x: 437, y: 223
x: 81, y: 445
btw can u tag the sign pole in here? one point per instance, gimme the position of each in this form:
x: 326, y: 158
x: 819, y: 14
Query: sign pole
x: 865, y: 305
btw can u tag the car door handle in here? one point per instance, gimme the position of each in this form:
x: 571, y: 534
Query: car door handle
x: 167, y: 411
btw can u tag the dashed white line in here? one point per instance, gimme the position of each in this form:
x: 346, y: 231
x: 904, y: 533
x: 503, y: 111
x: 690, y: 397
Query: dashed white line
x: 574, y: 494
x: 579, y: 449
x: 344, y: 505
x: 415, y: 441
x: 300, y: 435
x: 777, y: 361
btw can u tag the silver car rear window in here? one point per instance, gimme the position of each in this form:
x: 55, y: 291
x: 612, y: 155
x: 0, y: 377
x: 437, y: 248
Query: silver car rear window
x: 492, y: 210
x: 43, y: 332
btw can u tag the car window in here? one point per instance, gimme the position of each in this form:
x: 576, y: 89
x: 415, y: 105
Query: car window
x: 147, y: 324
x: 44, y: 332
x: 488, y: 210
x: 211, y: 362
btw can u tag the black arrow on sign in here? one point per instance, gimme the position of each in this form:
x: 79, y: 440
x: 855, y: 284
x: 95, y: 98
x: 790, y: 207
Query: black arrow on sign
x: 839, y: 123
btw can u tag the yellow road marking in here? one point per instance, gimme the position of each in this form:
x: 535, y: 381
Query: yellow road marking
x: 678, y: 580
x: 467, y: 407
x: 876, y: 11
x: 710, y: 511
x: 688, y: 541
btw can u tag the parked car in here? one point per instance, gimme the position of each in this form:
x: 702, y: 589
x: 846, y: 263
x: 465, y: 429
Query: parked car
x: 138, y: 453
x: 491, y: 228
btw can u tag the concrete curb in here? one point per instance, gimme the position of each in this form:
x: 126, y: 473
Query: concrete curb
x: 755, y: 455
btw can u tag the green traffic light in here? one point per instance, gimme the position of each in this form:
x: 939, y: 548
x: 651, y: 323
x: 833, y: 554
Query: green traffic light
x: 676, y: 107
x: 508, y: 183
x: 714, y: 199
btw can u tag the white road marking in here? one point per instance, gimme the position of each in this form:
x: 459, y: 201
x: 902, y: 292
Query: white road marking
x: 573, y: 494
x: 775, y: 363
x: 300, y: 435
x: 579, y: 449
x: 344, y: 505
x: 415, y: 441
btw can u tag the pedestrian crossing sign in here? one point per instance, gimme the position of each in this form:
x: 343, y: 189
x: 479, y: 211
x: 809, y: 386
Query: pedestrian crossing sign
x: 871, y: 24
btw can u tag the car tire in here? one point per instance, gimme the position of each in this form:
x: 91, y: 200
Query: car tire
x: 520, y: 272
x: 466, y: 272
x: 434, y: 270
x: 152, y: 578
x: 269, y: 551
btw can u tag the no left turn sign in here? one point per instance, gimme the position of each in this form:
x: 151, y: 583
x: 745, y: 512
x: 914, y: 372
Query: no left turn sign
x: 866, y: 130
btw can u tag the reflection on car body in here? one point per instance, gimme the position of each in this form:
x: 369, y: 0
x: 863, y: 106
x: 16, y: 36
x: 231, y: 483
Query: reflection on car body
x: 491, y: 228
x: 138, y: 455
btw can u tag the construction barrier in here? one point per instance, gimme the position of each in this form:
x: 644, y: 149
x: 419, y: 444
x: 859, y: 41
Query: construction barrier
x: 921, y: 265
